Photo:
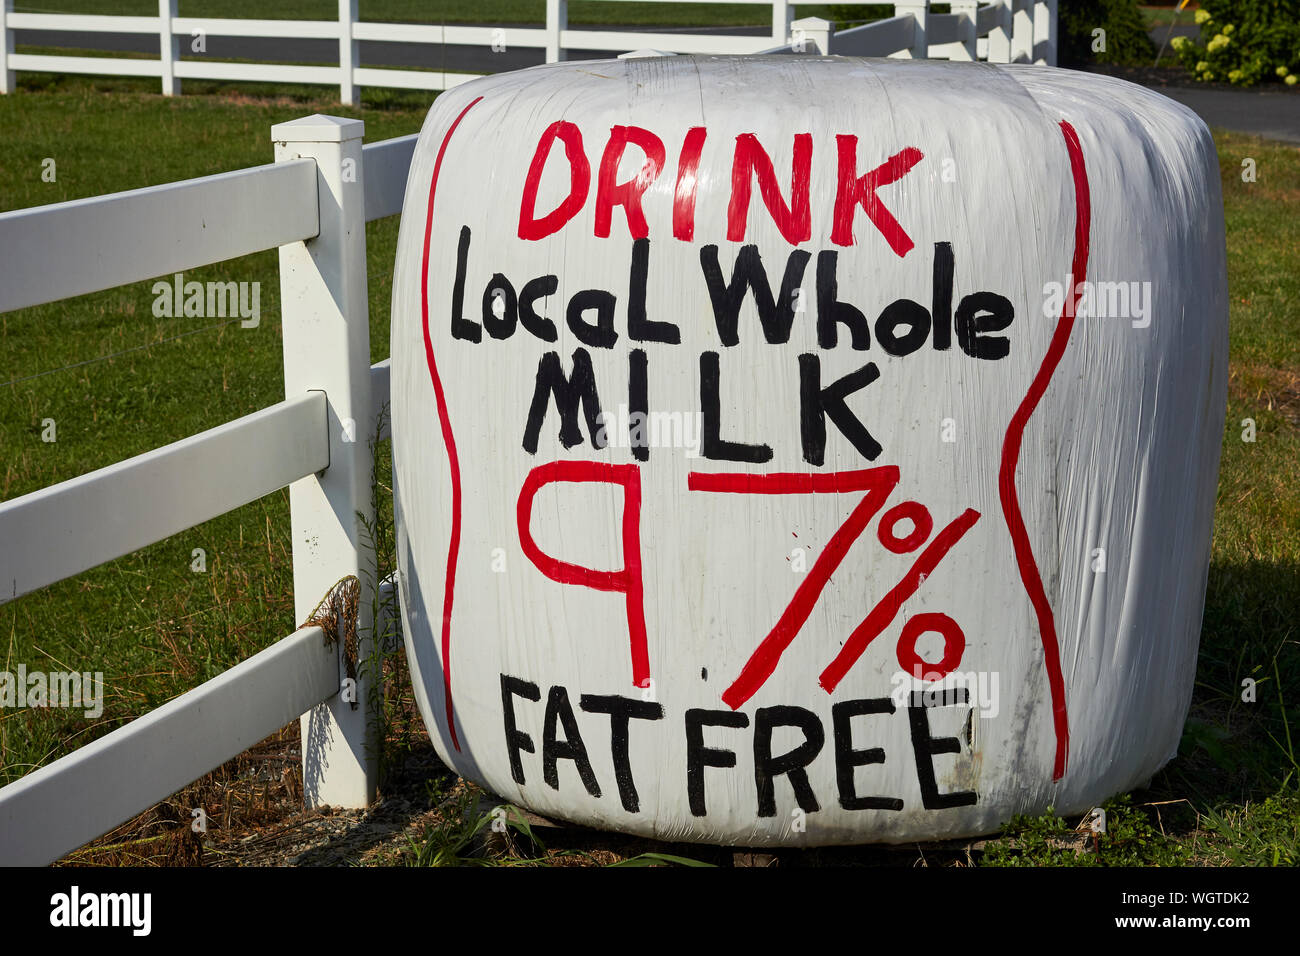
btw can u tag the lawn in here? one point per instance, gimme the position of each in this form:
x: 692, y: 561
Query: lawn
x: 1163, y: 16
x: 118, y: 381
x: 584, y: 12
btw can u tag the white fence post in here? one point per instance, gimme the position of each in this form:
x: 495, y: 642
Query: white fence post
x: 169, y: 48
x: 1000, y: 33
x: 1045, y: 32
x: 349, y: 94
x: 557, y: 21
x: 966, y: 33
x: 7, y: 79
x: 813, y: 33
x: 782, y: 22
x: 327, y: 347
x: 920, y: 12
x: 1022, y: 32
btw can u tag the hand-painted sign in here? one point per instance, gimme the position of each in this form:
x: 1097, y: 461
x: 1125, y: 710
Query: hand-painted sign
x: 754, y: 485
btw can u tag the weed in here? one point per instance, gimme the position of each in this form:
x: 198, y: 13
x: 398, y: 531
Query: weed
x: 1131, y: 838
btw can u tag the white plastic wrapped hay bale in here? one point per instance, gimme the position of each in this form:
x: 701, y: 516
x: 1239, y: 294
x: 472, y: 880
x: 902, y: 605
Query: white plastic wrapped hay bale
x: 761, y: 475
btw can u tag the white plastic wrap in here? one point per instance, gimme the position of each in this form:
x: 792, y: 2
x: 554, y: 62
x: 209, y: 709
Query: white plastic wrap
x: 922, y: 545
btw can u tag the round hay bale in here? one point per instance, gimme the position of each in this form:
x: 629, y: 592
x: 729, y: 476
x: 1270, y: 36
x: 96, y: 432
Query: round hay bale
x: 799, y: 450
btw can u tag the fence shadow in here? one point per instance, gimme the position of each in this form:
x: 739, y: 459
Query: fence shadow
x: 1244, y: 708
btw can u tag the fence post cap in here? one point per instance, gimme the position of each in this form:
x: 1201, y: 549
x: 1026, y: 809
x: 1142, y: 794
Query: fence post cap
x: 318, y: 129
x: 811, y: 24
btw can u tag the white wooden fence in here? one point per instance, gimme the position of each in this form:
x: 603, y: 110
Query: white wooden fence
x: 312, y: 204
x: 1001, y: 31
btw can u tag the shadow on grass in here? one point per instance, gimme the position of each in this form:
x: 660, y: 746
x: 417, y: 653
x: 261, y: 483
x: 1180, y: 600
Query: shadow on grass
x: 1237, y: 744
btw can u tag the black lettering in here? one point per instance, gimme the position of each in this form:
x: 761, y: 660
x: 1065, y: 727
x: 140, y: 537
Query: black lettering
x: 571, y: 748
x: 792, y: 763
x: 568, y: 392
x: 748, y: 274
x: 533, y: 290
x: 712, y: 445
x: 699, y: 756
x: 639, y: 328
x: 817, y: 403
x: 516, y: 740
x: 982, y: 312
x: 830, y: 311
x: 621, y: 711
x: 926, y: 747
x: 500, y: 289
x: 847, y: 758
x: 902, y: 312
x: 461, y: 327
x: 941, y: 304
x: 601, y: 335
x: 638, y: 400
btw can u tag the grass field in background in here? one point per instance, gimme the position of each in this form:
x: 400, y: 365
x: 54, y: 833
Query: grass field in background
x: 156, y: 628
x: 1163, y: 16
x: 586, y: 12
x: 582, y: 12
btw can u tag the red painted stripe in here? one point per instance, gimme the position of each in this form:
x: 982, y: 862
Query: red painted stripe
x: 1029, y: 572
x: 453, y: 549
x: 883, y: 613
x: 792, y: 483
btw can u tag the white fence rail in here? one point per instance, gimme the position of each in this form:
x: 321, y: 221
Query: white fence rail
x: 316, y: 443
x: 71, y: 248
x: 1000, y: 31
x: 86, y: 521
x: 68, y: 803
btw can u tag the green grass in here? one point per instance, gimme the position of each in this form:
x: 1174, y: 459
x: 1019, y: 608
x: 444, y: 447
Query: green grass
x: 156, y: 628
x: 584, y: 12
x: 1163, y: 16
x: 1252, y: 617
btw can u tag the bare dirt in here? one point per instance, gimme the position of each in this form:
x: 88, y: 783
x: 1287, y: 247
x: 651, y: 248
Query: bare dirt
x: 252, y: 815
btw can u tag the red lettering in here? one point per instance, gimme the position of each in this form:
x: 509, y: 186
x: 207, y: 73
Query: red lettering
x: 884, y: 613
x: 853, y: 190
x: 954, y: 645
x: 629, y: 580
x: 684, y: 195
x: 531, y: 227
x: 794, y: 221
x: 878, y: 483
x: 628, y: 194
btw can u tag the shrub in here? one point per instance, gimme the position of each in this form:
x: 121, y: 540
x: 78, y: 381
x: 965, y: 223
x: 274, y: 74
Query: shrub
x: 1244, y: 42
x: 1125, y: 39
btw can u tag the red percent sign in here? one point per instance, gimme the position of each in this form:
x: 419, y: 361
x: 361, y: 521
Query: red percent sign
x: 878, y: 483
